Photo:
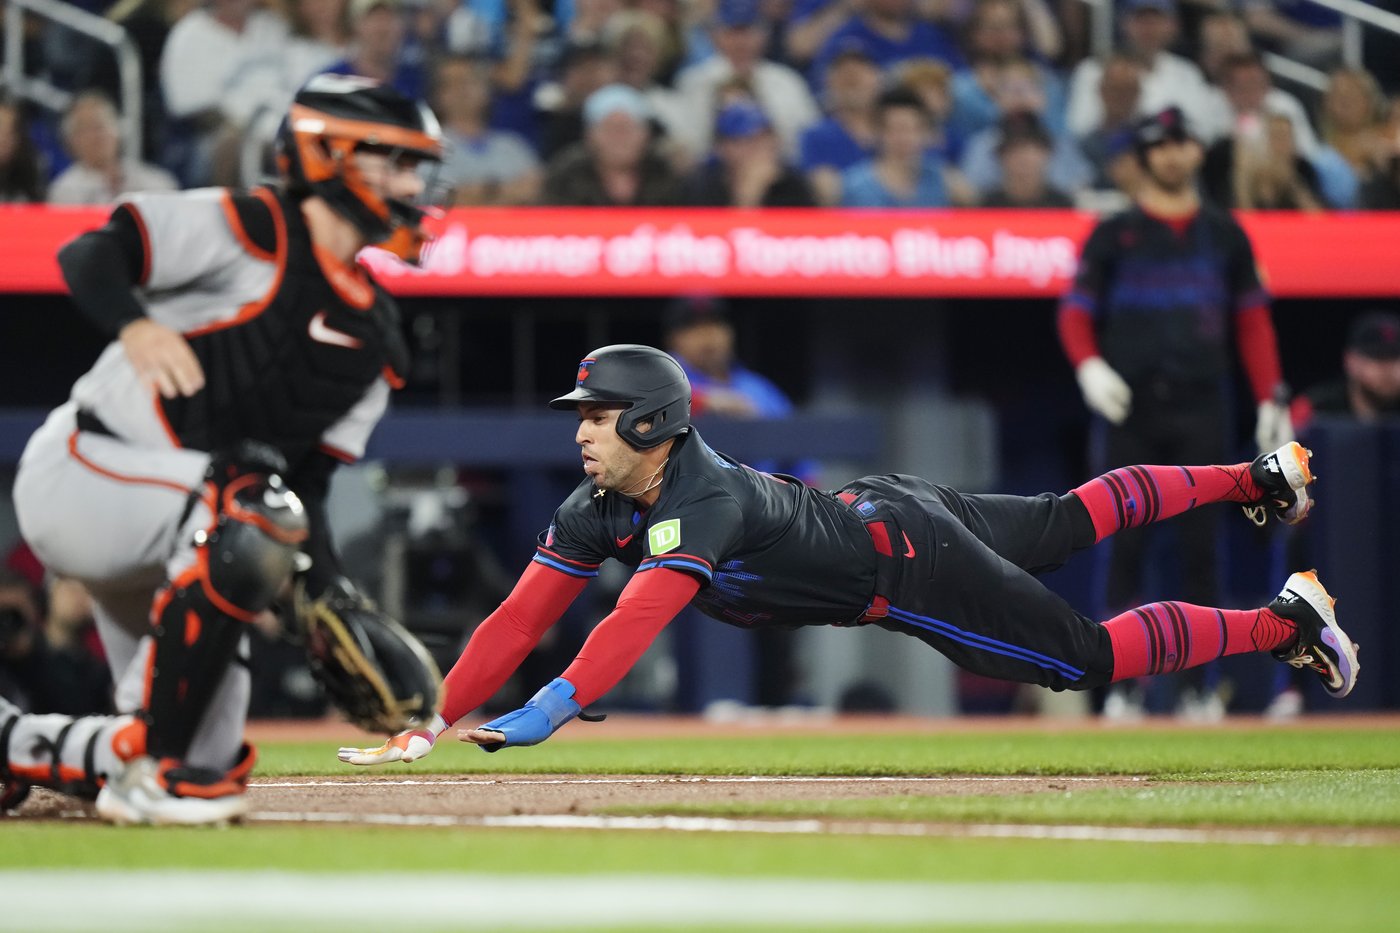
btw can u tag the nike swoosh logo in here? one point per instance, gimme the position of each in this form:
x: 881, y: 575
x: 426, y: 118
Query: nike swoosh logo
x: 623, y: 542
x: 322, y: 332
x: 909, y: 548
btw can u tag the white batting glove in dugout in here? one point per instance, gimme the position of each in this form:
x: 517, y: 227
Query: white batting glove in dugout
x: 1272, y: 427
x: 1104, y: 390
x: 407, y: 746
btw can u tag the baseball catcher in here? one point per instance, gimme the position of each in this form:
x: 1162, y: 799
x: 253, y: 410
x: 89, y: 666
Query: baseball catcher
x: 184, y: 481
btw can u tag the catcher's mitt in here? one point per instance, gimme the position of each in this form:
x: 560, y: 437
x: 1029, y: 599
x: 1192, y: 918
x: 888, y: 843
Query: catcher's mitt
x: 374, y: 669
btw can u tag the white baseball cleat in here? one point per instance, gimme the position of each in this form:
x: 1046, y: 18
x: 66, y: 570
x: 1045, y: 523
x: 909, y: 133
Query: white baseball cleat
x: 1322, y: 647
x: 1284, y: 476
x: 141, y: 796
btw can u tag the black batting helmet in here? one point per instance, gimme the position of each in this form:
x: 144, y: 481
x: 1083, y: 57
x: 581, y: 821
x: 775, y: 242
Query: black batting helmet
x: 1168, y: 125
x: 649, y: 383
x: 331, y: 117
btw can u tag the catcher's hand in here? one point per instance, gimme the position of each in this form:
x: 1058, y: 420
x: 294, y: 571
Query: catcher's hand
x: 380, y: 676
x: 405, y: 747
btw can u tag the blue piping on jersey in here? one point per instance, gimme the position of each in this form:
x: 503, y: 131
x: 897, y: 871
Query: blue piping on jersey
x: 565, y: 568
x: 973, y: 640
x: 679, y: 563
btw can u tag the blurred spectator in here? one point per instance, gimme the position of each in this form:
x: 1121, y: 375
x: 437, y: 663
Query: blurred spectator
x: 586, y: 21
x: 891, y: 32
x: 1220, y: 35
x: 1246, y: 93
x: 1307, y: 32
x: 1382, y: 192
x: 1369, y: 387
x: 996, y: 38
x: 739, y: 35
x: 378, y: 30
x: 46, y: 662
x: 1024, y: 153
x: 101, y: 172
x: 1353, y: 120
x: 221, y: 64
x: 583, y: 70
x: 1149, y: 29
x: 482, y: 165
x: 1120, y: 88
x: 1260, y: 168
x: 812, y: 23
x: 847, y: 135
x: 320, y: 36
x: 748, y: 169
x: 1018, y: 94
x: 903, y: 172
x: 616, y: 164
x: 21, y: 176
x: 640, y: 44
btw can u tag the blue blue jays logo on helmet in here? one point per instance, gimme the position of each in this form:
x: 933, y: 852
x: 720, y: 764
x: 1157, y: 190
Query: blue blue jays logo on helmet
x: 583, y: 369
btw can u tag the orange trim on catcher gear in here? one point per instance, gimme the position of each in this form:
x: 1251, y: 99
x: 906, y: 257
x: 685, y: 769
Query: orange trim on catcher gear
x: 42, y: 775
x: 158, y: 403
x: 236, y: 225
x: 348, y: 280
x: 253, y: 308
x: 201, y: 556
x: 121, y: 478
x: 130, y: 740
x: 394, y: 379
x: 192, y: 627
x: 236, y: 512
x: 311, y: 123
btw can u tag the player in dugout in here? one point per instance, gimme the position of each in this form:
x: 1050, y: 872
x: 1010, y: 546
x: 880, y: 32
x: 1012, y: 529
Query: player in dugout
x: 756, y: 549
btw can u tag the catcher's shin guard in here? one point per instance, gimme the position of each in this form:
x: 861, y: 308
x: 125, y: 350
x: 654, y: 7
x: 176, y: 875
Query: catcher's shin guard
x: 241, y: 560
x: 72, y: 756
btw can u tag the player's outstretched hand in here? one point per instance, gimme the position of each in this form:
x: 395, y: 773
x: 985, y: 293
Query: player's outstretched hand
x: 537, y: 720
x: 406, y: 746
x: 162, y: 358
x: 1104, y: 390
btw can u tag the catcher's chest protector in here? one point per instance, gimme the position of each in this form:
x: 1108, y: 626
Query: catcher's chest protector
x: 288, y: 367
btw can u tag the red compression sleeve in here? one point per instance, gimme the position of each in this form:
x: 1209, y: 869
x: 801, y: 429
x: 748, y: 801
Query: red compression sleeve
x: 1254, y: 332
x: 650, y: 600
x: 1077, y: 332
x: 501, y: 642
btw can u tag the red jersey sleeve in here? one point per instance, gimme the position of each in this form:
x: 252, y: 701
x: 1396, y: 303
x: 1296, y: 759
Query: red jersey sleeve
x: 507, y: 635
x: 647, y: 604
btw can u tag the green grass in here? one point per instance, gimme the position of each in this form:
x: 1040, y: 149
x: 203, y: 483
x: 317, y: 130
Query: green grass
x: 1089, y: 751
x: 1318, y: 776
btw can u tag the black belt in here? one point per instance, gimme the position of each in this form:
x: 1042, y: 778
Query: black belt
x: 91, y: 424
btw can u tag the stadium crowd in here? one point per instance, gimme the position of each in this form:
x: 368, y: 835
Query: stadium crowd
x: 891, y: 103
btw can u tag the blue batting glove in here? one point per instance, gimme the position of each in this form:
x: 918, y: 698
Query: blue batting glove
x: 534, y: 722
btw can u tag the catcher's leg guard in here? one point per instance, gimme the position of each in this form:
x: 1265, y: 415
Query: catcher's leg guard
x: 241, y: 558
x: 72, y: 756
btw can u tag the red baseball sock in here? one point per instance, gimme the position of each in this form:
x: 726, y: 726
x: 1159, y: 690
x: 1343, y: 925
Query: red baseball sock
x: 1139, y: 495
x: 1164, y: 637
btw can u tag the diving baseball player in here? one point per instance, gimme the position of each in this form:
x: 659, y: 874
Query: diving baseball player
x: 184, y: 480
x: 754, y: 549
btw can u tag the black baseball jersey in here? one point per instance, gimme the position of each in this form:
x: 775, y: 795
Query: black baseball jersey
x: 1164, y: 301
x: 767, y: 549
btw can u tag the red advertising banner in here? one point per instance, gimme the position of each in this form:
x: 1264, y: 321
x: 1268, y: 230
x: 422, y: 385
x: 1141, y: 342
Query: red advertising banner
x: 954, y: 253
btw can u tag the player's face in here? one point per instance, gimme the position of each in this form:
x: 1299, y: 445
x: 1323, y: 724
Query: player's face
x: 1172, y: 165
x: 608, y: 460
x: 390, y: 176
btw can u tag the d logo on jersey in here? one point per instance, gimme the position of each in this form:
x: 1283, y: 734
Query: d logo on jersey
x: 665, y: 536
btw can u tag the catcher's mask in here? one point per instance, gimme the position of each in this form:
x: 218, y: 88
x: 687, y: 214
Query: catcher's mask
x: 334, y: 116
x: 649, y: 383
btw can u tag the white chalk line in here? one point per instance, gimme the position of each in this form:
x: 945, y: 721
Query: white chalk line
x: 157, y: 901
x: 526, y: 781
x: 807, y: 826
